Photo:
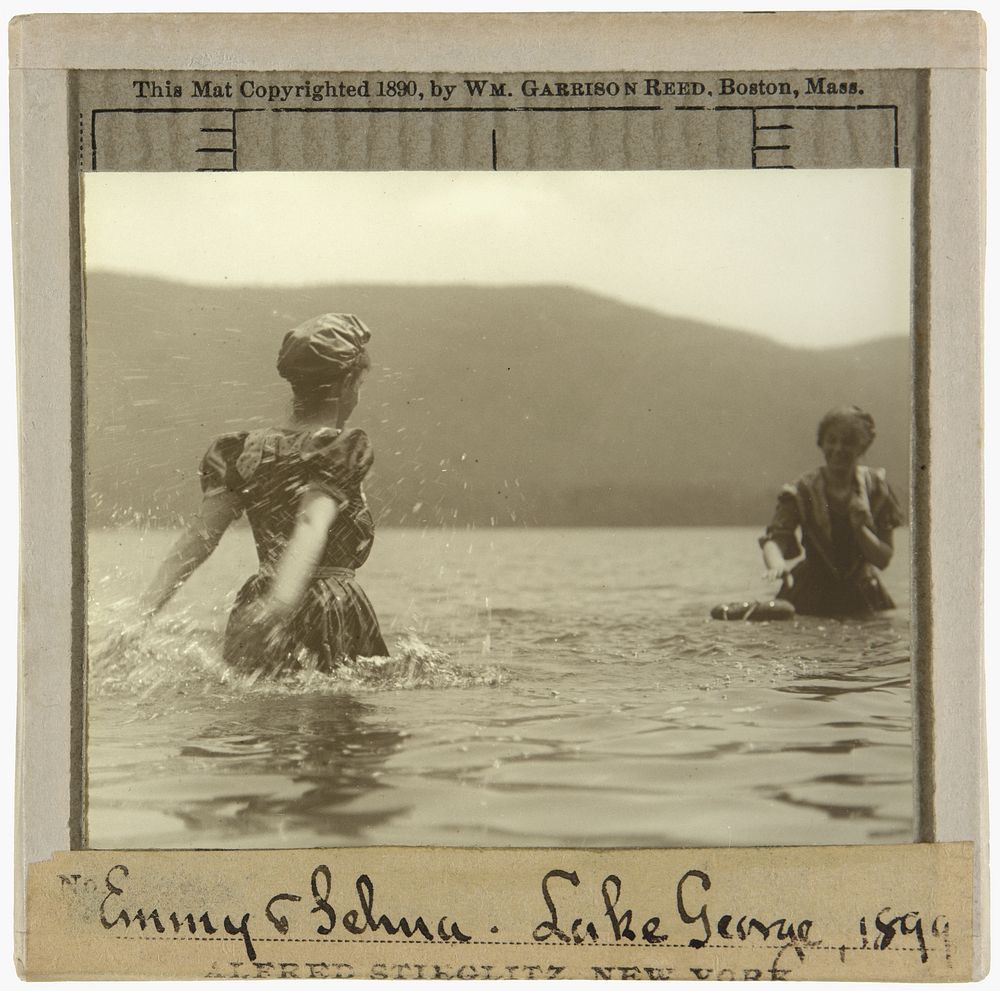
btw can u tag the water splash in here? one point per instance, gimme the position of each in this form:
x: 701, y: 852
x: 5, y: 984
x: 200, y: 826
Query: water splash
x: 488, y: 640
x: 413, y: 664
x: 175, y: 659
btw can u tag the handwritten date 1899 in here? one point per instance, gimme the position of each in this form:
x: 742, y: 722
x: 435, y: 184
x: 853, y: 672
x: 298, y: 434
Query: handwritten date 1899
x: 575, y: 916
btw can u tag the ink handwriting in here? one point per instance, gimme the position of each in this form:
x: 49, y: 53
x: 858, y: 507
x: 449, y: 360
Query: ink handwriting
x: 576, y: 912
x: 619, y: 923
x: 358, y: 921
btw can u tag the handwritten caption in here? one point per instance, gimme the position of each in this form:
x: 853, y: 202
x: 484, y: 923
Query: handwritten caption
x: 691, y: 919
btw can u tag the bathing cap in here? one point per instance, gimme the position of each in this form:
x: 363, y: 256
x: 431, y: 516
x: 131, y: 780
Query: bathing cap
x: 322, y: 350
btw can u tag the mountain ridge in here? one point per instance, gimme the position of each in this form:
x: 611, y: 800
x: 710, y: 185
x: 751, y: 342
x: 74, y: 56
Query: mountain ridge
x: 486, y: 405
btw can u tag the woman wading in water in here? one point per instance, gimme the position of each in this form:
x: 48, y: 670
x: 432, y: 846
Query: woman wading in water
x: 846, y: 513
x: 300, y: 487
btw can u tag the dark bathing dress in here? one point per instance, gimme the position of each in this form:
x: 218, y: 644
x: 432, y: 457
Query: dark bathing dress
x: 269, y: 470
x: 834, y: 579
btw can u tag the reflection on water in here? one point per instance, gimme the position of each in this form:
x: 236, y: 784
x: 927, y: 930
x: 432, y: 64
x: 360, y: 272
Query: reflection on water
x: 546, y: 688
x: 324, y: 750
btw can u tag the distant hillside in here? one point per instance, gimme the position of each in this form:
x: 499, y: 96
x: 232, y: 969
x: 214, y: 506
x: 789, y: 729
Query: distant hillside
x: 520, y: 405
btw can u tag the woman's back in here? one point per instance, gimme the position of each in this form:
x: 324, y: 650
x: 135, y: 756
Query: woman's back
x: 271, y: 468
x: 300, y: 487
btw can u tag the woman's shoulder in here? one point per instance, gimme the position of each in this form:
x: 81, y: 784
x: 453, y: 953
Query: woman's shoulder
x: 346, y: 453
x: 229, y: 441
x: 880, y: 492
x: 234, y: 459
x: 887, y: 511
x: 322, y: 449
x: 874, y: 477
x: 328, y: 441
x: 806, y: 483
x: 219, y: 462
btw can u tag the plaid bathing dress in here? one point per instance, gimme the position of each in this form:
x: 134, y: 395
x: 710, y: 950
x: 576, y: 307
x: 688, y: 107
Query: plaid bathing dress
x: 269, y: 470
x: 834, y: 579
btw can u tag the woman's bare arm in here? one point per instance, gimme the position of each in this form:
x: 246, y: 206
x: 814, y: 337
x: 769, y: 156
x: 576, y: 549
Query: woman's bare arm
x: 297, y: 565
x: 201, y: 536
x: 774, y: 560
x: 877, y: 550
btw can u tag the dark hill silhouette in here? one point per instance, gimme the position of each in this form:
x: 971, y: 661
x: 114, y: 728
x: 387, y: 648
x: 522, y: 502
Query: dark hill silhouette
x: 517, y: 405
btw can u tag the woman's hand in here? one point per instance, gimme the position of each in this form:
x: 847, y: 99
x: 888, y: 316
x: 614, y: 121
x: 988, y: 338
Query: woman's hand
x: 861, y: 518
x: 876, y: 550
x: 777, y: 566
x: 267, y: 612
x: 859, y: 513
x: 782, y: 574
x: 256, y: 641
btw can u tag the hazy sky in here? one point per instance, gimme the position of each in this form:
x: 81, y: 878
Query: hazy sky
x: 814, y: 258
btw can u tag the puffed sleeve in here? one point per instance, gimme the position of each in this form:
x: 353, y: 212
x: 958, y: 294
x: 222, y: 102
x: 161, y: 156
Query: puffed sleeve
x: 886, y: 511
x: 338, y: 463
x: 785, y: 522
x: 218, y: 466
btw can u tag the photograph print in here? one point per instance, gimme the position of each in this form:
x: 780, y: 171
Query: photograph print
x: 527, y: 509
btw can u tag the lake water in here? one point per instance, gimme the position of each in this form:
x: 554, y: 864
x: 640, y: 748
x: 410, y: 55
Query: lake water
x: 548, y: 687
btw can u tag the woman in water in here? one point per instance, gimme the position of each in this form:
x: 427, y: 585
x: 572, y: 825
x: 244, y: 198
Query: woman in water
x: 846, y: 513
x: 300, y: 487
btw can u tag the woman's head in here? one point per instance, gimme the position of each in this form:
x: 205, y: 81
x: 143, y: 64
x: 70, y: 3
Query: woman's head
x: 844, y: 434
x: 324, y: 361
